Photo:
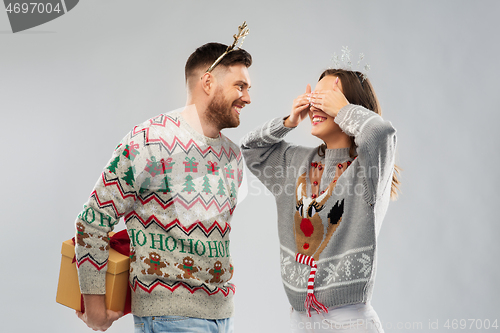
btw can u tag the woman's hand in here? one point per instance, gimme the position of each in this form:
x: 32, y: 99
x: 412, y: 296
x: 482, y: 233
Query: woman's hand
x: 300, y: 109
x: 329, y: 101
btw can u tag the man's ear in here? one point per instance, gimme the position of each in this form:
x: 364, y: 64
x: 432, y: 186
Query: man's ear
x: 208, y: 82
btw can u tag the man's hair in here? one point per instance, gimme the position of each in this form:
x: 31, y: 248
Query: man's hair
x: 204, y: 56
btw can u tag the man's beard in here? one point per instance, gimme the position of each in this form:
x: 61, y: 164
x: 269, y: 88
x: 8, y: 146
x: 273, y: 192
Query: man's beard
x: 219, y: 112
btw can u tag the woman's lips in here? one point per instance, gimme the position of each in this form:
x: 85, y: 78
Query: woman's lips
x: 317, y: 119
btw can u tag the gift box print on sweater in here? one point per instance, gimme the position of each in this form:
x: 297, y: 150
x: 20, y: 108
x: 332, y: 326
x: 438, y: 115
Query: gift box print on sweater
x: 176, y: 190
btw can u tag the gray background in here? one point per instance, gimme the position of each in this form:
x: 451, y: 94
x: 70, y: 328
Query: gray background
x: 72, y: 88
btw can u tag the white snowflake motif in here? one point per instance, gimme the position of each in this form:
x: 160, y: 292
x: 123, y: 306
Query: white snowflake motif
x: 347, y: 268
x: 197, y: 211
x: 367, y: 267
x: 285, y: 261
x: 163, y: 218
x: 332, y: 273
x: 142, y: 210
x: 187, y: 216
x: 154, y: 210
x: 302, y: 275
x: 292, y: 273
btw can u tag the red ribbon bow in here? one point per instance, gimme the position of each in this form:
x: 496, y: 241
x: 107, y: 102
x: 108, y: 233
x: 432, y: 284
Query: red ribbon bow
x: 120, y: 242
x: 213, y: 165
x: 167, y: 162
x: 134, y: 145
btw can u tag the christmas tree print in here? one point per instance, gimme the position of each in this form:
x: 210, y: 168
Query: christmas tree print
x: 233, y: 190
x: 113, y: 165
x: 188, y: 185
x: 206, y: 185
x: 129, y: 176
x: 165, y: 188
x: 221, y: 191
x: 145, y: 185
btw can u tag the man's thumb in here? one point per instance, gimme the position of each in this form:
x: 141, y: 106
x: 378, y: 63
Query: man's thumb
x: 308, y: 89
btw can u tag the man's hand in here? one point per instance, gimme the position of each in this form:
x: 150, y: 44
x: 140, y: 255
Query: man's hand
x: 96, y: 316
x: 329, y: 101
x: 300, y: 109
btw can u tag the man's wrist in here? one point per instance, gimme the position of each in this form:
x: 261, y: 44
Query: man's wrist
x: 95, y: 303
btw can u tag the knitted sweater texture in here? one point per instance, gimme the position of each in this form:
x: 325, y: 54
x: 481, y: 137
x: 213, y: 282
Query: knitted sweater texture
x: 176, y: 190
x: 330, y: 207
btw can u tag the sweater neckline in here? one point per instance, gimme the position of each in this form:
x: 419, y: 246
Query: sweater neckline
x: 339, y: 154
x: 197, y: 135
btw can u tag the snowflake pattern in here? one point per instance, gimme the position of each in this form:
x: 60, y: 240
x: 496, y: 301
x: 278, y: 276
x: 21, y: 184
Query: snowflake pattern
x: 154, y: 210
x: 347, y: 267
x: 302, y: 275
x: 165, y: 217
x: 332, y: 273
x: 199, y: 212
x: 187, y: 216
x: 351, y: 267
x: 285, y: 261
x: 365, y: 261
x: 352, y: 123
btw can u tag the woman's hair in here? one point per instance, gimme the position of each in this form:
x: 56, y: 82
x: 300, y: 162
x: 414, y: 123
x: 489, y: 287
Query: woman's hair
x: 359, y: 91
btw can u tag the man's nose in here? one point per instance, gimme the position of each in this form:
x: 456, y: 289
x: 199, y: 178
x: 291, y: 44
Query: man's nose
x: 246, y: 97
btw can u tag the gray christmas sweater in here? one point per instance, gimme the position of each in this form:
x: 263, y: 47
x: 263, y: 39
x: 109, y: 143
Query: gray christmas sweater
x: 176, y: 190
x: 330, y: 208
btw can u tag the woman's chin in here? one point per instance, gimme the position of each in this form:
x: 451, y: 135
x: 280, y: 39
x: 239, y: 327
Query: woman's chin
x: 316, y: 133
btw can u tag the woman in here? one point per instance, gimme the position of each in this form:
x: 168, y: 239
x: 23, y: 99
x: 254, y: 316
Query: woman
x: 332, y: 200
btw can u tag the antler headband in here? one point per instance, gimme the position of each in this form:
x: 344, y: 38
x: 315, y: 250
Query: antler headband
x: 242, y: 33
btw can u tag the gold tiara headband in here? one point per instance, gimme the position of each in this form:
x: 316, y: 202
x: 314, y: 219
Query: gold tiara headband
x: 242, y: 33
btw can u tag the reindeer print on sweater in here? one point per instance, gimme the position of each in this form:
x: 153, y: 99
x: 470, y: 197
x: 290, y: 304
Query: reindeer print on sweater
x: 311, y: 234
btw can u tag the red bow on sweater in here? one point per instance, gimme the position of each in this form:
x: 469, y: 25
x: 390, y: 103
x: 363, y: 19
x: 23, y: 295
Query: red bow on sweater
x: 120, y: 242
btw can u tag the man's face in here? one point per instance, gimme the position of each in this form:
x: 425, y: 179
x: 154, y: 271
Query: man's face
x: 230, y: 96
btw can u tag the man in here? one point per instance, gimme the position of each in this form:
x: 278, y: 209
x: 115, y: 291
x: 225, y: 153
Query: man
x: 174, y: 179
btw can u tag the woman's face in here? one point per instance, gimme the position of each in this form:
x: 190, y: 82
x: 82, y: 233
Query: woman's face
x: 323, y: 125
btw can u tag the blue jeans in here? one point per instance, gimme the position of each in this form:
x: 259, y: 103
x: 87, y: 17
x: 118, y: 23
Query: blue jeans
x: 171, y: 324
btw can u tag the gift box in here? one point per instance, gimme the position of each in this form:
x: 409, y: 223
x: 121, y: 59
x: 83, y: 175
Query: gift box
x: 212, y: 168
x: 190, y: 165
x: 117, y: 287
